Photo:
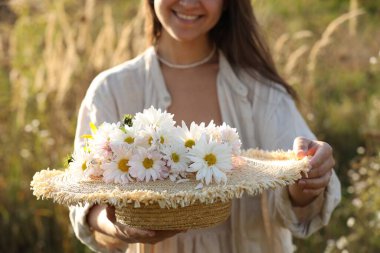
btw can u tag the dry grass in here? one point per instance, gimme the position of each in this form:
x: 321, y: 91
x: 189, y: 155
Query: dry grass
x: 70, y: 42
x: 53, y: 55
x: 353, y: 22
x: 306, y: 52
x: 327, y: 36
x: 53, y: 51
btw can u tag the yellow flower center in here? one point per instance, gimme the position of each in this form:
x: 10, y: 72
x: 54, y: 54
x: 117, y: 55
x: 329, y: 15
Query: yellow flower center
x: 162, y: 140
x: 150, y: 140
x: 189, y: 143
x: 123, y: 165
x: 175, y: 157
x: 84, y: 166
x: 129, y: 140
x: 148, y: 163
x: 210, y: 159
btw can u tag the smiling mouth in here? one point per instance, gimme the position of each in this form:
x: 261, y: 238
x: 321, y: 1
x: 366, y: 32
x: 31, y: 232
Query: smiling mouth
x: 186, y: 17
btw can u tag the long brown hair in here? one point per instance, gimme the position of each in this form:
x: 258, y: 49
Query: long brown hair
x: 238, y: 36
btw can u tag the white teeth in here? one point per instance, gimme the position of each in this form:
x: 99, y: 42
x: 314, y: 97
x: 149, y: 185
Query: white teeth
x: 187, y: 17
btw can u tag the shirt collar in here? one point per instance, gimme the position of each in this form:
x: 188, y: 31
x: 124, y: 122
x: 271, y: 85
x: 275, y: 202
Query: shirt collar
x: 155, y: 76
x: 226, y: 75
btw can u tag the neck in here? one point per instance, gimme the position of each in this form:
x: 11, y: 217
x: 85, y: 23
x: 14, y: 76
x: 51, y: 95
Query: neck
x: 178, y: 52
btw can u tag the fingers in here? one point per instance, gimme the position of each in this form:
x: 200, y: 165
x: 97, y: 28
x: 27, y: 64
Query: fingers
x: 323, y: 153
x: 312, y: 150
x: 110, y: 242
x: 320, y: 171
x: 102, y: 219
x: 318, y: 149
x: 107, y: 224
x: 322, y: 160
x: 98, y: 220
x: 322, y: 163
x: 301, y: 146
x: 306, y: 190
x: 316, y: 183
x: 134, y: 235
x: 314, y: 192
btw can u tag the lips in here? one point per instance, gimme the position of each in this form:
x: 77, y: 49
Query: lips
x: 186, y: 17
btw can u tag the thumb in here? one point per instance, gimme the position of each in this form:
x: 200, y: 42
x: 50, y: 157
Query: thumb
x: 301, y: 146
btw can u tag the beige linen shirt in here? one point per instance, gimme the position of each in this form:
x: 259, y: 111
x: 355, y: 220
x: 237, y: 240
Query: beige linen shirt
x: 265, y: 117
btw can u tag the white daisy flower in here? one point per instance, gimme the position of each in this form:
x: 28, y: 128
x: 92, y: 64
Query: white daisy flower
x: 153, y: 118
x: 230, y: 136
x: 80, y: 158
x: 155, y: 139
x: 146, y: 139
x: 146, y: 165
x: 84, y: 164
x: 117, y: 171
x: 125, y: 136
x: 210, y: 161
x: 164, y: 172
x: 212, y: 132
x: 176, y: 159
x: 191, y: 135
x: 94, y: 169
x: 100, y: 142
x: 164, y: 137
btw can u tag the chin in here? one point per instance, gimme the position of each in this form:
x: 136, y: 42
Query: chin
x: 187, y: 37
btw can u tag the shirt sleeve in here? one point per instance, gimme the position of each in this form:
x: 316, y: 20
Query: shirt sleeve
x: 97, y: 107
x: 284, y: 123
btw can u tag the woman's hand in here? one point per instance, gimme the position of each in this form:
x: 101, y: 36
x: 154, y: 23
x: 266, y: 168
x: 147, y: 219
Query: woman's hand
x: 322, y: 163
x: 114, y: 235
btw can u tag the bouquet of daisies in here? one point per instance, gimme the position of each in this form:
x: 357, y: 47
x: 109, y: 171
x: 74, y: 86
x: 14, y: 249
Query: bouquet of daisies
x: 149, y: 146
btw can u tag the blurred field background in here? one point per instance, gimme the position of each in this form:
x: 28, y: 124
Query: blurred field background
x: 51, y: 50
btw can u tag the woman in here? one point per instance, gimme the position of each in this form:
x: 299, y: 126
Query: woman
x: 208, y: 62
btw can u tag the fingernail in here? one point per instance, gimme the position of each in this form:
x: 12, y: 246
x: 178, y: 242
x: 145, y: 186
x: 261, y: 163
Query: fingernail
x: 300, y: 154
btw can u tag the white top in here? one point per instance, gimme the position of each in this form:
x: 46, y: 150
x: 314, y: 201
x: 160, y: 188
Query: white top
x: 265, y: 117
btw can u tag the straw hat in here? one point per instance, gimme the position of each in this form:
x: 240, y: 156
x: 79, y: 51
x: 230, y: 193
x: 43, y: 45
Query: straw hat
x: 163, y: 204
